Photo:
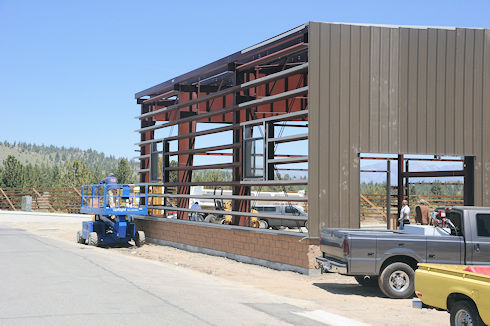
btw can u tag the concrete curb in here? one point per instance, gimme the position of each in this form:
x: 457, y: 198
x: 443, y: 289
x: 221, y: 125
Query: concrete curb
x: 44, y: 214
x: 240, y: 258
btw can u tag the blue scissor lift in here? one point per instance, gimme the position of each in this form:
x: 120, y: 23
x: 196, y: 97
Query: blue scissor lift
x: 115, y: 224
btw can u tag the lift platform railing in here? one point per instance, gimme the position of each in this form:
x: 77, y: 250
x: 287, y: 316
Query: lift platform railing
x: 128, y: 199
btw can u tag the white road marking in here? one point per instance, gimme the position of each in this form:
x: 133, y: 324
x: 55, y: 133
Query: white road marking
x: 330, y: 319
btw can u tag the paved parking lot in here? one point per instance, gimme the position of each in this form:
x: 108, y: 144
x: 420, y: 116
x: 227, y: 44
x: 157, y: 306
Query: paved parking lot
x: 49, y: 279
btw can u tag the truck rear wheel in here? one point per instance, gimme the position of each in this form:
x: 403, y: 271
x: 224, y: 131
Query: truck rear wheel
x: 210, y: 219
x: 139, y: 238
x: 366, y: 280
x: 263, y: 224
x: 397, y: 281
x: 93, y: 239
x: 464, y: 312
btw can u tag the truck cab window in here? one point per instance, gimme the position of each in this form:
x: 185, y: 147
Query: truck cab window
x: 291, y: 210
x: 455, y: 217
x: 483, y: 225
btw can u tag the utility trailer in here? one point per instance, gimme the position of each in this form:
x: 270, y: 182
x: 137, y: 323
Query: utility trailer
x: 113, y: 212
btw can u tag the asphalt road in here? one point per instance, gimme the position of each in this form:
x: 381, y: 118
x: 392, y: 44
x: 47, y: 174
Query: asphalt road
x: 49, y: 282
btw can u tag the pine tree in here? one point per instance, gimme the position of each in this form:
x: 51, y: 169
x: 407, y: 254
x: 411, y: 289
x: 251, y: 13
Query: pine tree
x: 12, y: 172
x: 436, y: 189
x: 28, y: 176
x: 54, y: 177
x: 123, y: 172
x: 76, y: 173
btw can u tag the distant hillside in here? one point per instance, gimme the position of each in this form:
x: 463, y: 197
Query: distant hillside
x: 52, y: 155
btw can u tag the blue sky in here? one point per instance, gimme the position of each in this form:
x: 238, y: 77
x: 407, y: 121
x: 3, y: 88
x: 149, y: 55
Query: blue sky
x: 69, y: 69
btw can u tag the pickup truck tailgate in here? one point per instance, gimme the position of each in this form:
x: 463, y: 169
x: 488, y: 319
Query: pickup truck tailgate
x: 332, y: 243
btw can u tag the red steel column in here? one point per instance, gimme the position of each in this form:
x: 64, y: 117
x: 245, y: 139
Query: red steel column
x: 185, y: 159
x: 239, y: 205
x: 145, y: 149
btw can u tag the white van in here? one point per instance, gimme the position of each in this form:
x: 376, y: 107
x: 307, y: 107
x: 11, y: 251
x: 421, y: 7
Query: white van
x: 282, y: 210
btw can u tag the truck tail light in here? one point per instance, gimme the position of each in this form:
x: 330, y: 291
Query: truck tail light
x: 346, y: 247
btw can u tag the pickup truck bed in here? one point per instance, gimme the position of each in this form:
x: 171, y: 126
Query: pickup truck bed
x: 462, y: 290
x: 368, y: 249
x: 390, y: 257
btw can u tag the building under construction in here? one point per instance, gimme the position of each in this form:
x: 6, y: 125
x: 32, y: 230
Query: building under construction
x: 339, y: 90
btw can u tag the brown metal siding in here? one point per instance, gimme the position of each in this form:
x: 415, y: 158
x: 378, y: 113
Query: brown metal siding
x: 477, y: 104
x: 354, y: 113
x: 332, y: 99
x: 392, y: 90
x: 436, y: 102
x: 485, y: 146
x: 314, y: 133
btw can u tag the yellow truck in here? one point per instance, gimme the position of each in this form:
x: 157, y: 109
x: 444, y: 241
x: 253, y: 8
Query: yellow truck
x: 464, y: 291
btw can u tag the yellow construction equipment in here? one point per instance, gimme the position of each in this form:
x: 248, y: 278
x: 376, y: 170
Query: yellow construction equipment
x: 155, y: 201
x: 254, y: 221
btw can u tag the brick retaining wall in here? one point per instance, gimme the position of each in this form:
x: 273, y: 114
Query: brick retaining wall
x: 276, y: 249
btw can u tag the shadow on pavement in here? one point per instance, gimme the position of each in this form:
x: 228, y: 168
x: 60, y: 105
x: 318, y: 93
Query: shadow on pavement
x: 351, y: 289
x: 117, y: 245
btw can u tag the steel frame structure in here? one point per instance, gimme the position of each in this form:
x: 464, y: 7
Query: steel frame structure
x: 404, y: 175
x: 371, y: 89
x: 263, y: 85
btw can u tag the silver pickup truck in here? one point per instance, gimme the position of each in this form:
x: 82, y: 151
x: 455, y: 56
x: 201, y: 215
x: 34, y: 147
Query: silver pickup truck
x: 390, y: 257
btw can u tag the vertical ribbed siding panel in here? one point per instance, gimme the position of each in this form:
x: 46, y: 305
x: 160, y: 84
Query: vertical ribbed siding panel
x: 485, y: 146
x: 468, y: 93
x: 364, y: 87
x: 384, y: 81
x: 412, y: 91
x: 394, y: 119
x: 477, y: 110
x: 323, y: 123
x: 334, y: 141
x: 403, y: 89
x: 374, y: 92
x: 314, y: 137
x: 440, y: 92
x: 421, y: 127
x: 396, y: 90
x: 354, y: 125
x: 432, y: 91
x: 345, y: 159
x: 450, y: 105
x: 459, y: 92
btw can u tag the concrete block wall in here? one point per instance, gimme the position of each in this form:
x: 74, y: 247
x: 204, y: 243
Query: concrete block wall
x: 275, y: 249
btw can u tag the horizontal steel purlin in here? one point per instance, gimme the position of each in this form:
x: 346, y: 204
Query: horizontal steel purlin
x: 208, y: 211
x: 192, y: 134
x: 251, y: 183
x: 203, y: 150
x: 230, y: 90
x: 203, y: 167
x: 241, y: 106
x: 226, y: 197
